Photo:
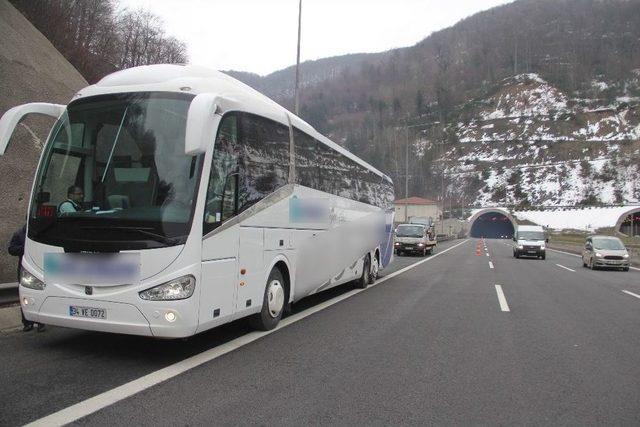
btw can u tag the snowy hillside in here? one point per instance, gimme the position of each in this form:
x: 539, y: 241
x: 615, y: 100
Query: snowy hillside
x: 527, y: 143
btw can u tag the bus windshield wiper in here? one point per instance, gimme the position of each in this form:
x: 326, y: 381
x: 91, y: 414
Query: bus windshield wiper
x: 154, y: 236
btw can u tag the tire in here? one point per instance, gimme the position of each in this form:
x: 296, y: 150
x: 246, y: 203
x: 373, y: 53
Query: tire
x: 430, y: 251
x: 625, y: 269
x: 363, y: 281
x: 543, y: 256
x: 517, y: 255
x: 273, y: 303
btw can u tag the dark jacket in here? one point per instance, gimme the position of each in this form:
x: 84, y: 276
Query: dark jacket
x: 16, y: 245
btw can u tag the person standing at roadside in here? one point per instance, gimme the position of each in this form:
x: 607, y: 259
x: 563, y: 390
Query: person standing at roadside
x: 16, y: 248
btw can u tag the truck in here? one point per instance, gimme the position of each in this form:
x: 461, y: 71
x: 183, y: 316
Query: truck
x: 414, y: 238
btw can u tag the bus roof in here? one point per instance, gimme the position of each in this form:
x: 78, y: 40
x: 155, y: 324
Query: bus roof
x: 234, y: 95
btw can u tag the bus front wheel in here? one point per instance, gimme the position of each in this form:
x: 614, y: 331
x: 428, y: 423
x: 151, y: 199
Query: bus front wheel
x: 273, y: 303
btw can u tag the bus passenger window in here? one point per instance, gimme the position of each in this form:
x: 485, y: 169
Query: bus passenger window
x: 221, y: 202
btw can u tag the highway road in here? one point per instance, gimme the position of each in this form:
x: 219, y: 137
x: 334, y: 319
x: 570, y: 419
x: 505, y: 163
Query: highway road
x: 455, y: 338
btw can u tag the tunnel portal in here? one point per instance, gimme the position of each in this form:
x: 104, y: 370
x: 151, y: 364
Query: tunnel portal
x: 492, y: 225
x: 629, y: 223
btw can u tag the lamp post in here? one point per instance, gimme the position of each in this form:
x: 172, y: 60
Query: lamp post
x: 297, y: 88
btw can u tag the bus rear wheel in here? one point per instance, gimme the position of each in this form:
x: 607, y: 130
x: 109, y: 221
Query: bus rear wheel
x: 363, y: 281
x: 273, y: 303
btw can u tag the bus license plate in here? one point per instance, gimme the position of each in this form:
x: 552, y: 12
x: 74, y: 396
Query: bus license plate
x: 93, y: 313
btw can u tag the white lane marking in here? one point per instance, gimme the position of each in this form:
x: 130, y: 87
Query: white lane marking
x: 580, y: 256
x: 502, y: 299
x: 487, y: 253
x: 632, y: 294
x: 566, y: 268
x: 490, y: 264
x: 108, y: 398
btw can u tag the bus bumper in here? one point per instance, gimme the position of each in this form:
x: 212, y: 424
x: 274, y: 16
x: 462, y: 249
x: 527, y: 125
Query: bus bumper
x: 122, y: 318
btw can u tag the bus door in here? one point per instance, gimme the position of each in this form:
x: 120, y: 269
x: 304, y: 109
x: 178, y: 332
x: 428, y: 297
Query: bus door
x: 220, y: 245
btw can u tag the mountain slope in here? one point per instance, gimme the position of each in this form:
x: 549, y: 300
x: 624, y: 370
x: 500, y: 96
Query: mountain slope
x: 573, y: 61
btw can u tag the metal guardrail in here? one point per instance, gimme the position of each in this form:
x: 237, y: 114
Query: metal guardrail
x: 11, y: 285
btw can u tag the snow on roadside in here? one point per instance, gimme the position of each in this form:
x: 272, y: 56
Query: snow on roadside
x: 588, y: 219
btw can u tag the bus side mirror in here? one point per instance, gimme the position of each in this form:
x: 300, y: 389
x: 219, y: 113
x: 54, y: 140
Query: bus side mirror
x: 201, y: 124
x: 12, y: 117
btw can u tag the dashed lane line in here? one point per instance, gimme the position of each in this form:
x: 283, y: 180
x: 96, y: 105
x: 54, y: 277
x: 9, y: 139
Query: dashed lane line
x: 490, y: 264
x: 502, y: 299
x: 108, y: 398
x: 631, y: 293
x: 566, y: 268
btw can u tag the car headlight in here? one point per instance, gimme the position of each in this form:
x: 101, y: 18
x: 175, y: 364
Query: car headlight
x: 598, y: 255
x: 30, y: 281
x: 180, y: 288
x: 542, y: 247
x: 625, y: 256
x: 397, y: 243
x: 420, y: 245
x: 520, y: 247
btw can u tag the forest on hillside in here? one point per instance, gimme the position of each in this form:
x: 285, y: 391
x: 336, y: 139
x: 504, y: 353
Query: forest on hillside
x: 98, y: 39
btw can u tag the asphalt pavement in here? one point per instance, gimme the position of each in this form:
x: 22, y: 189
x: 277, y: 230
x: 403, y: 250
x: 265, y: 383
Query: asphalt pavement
x: 461, y: 338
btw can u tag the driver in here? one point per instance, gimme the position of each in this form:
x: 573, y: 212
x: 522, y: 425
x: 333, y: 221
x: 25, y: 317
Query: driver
x: 75, y: 196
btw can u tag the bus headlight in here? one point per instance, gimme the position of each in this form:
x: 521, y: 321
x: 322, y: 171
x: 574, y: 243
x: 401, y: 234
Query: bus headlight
x: 180, y: 288
x: 30, y: 281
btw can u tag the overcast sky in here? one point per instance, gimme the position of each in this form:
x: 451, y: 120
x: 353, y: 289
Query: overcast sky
x: 260, y: 35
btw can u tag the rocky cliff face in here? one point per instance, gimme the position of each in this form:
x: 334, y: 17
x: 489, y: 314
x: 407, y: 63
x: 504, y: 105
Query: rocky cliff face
x: 31, y: 69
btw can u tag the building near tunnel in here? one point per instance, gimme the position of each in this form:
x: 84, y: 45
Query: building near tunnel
x: 416, y: 207
x: 492, y: 223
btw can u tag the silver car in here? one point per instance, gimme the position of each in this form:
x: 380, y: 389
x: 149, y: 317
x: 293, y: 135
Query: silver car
x: 605, y: 252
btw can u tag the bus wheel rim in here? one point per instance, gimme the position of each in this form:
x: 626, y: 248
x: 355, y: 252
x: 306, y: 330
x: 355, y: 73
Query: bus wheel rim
x: 374, y: 269
x: 275, y: 298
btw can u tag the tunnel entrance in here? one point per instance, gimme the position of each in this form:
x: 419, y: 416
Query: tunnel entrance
x: 492, y: 225
x: 629, y: 223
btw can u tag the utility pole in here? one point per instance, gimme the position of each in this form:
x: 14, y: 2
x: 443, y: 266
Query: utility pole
x: 406, y: 160
x: 297, y: 88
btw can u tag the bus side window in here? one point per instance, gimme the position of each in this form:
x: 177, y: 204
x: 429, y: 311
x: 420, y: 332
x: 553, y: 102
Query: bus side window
x: 221, y: 203
x: 264, y: 159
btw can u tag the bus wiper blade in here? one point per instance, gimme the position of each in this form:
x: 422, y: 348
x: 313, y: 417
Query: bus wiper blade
x: 157, y: 237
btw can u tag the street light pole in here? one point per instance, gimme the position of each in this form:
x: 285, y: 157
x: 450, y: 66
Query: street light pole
x: 297, y: 88
x: 406, y: 160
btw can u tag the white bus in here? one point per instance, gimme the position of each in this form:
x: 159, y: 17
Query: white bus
x: 171, y: 199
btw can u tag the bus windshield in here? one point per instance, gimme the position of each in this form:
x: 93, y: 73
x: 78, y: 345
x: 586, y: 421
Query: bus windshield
x: 114, y: 169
